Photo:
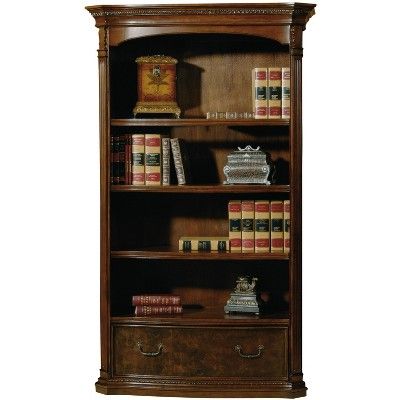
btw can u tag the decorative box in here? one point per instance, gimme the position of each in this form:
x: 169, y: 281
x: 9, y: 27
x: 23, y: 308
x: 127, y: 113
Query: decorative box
x: 249, y: 165
x: 156, y: 84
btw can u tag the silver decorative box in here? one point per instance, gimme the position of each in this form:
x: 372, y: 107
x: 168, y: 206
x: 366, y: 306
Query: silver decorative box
x: 249, y: 165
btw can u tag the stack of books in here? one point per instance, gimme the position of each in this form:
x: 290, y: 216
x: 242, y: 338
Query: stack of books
x: 259, y: 226
x: 145, y: 159
x: 271, y: 92
x: 161, y: 304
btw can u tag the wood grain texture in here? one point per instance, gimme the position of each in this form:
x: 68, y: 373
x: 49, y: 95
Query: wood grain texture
x: 216, y: 47
x: 190, y: 352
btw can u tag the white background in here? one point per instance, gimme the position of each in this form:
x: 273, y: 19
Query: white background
x: 50, y: 205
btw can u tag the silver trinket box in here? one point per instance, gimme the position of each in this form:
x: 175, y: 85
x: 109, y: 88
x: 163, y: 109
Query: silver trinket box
x: 249, y: 165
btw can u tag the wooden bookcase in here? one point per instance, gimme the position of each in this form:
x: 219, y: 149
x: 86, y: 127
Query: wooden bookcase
x: 216, y: 46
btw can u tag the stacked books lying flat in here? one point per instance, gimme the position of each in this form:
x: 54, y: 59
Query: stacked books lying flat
x: 204, y: 243
x: 145, y: 159
x: 271, y: 92
x: 259, y: 226
x: 162, y: 304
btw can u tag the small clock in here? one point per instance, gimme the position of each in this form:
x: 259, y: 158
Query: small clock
x: 156, y: 86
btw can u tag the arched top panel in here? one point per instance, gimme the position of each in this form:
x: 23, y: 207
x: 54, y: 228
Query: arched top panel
x: 279, y: 34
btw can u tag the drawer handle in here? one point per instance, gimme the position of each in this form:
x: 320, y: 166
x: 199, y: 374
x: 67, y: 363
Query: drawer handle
x: 260, y: 348
x: 150, y: 353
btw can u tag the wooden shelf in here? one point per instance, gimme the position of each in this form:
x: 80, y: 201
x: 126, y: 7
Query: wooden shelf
x: 173, y: 254
x: 204, y: 316
x: 197, y: 122
x: 204, y: 188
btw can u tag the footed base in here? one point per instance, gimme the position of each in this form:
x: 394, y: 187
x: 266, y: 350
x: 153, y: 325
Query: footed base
x: 202, y: 388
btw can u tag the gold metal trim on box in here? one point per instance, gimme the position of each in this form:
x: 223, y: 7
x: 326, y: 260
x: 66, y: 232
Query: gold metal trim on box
x: 159, y: 59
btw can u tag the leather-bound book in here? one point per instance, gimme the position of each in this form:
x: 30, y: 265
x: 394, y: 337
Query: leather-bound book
x: 235, y: 225
x: 156, y: 300
x: 262, y: 224
x: 285, y: 92
x: 286, y: 226
x: 137, y: 159
x: 181, y: 161
x: 260, y: 93
x: 152, y: 159
x: 248, y: 226
x: 274, y: 92
x: 142, y: 311
x: 166, y: 156
x: 277, y: 226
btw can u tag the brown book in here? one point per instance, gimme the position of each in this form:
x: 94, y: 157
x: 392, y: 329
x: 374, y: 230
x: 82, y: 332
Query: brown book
x: 141, y: 311
x: 156, y: 300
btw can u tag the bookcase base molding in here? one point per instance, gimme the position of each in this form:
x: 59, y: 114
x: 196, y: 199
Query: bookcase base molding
x: 200, y: 352
x: 206, y: 388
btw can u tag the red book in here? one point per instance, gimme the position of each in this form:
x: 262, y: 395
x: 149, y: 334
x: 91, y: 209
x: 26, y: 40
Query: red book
x: 156, y: 300
x: 141, y: 311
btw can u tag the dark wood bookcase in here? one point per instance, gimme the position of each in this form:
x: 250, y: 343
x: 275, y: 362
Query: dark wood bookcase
x: 195, y: 354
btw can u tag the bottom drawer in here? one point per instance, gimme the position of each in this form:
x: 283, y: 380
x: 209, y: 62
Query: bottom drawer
x: 211, y: 351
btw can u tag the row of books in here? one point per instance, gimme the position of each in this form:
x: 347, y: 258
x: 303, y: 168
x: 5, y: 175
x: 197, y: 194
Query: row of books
x: 259, y: 226
x: 162, y: 304
x: 271, y: 92
x: 145, y: 159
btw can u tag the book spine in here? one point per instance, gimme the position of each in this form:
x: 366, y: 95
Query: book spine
x: 116, y: 159
x: 166, y: 156
x: 152, y: 161
x: 154, y: 300
x: 285, y: 92
x: 276, y: 226
x: 128, y: 154
x: 187, y: 244
x: 260, y: 93
x: 121, y: 160
x: 137, y: 159
x: 262, y: 224
x: 274, y: 92
x: 176, y: 148
x: 235, y: 225
x: 141, y: 311
x: 248, y: 226
x: 112, y: 160
x: 286, y: 226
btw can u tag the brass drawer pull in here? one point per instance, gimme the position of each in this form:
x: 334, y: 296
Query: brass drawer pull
x: 260, y: 348
x: 150, y: 353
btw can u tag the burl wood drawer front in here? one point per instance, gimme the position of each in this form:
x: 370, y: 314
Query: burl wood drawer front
x: 228, y: 352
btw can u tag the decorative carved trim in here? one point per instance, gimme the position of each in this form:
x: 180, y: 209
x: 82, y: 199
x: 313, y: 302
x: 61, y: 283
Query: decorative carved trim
x: 236, y: 382
x: 296, y: 38
x: 103, y: 41
x: 201, y: 11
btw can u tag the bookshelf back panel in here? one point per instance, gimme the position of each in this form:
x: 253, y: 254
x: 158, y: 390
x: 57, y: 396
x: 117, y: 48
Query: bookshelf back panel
x: 213, y: 71
x: 201, y: 286
x: 146, y: 220
x: 208, y: 147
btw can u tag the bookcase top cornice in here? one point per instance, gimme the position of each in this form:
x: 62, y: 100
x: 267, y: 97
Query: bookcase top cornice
x: 291, y: 11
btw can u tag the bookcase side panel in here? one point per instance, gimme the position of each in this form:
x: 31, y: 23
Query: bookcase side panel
x: 295, y: 272
x: 104, y: 126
